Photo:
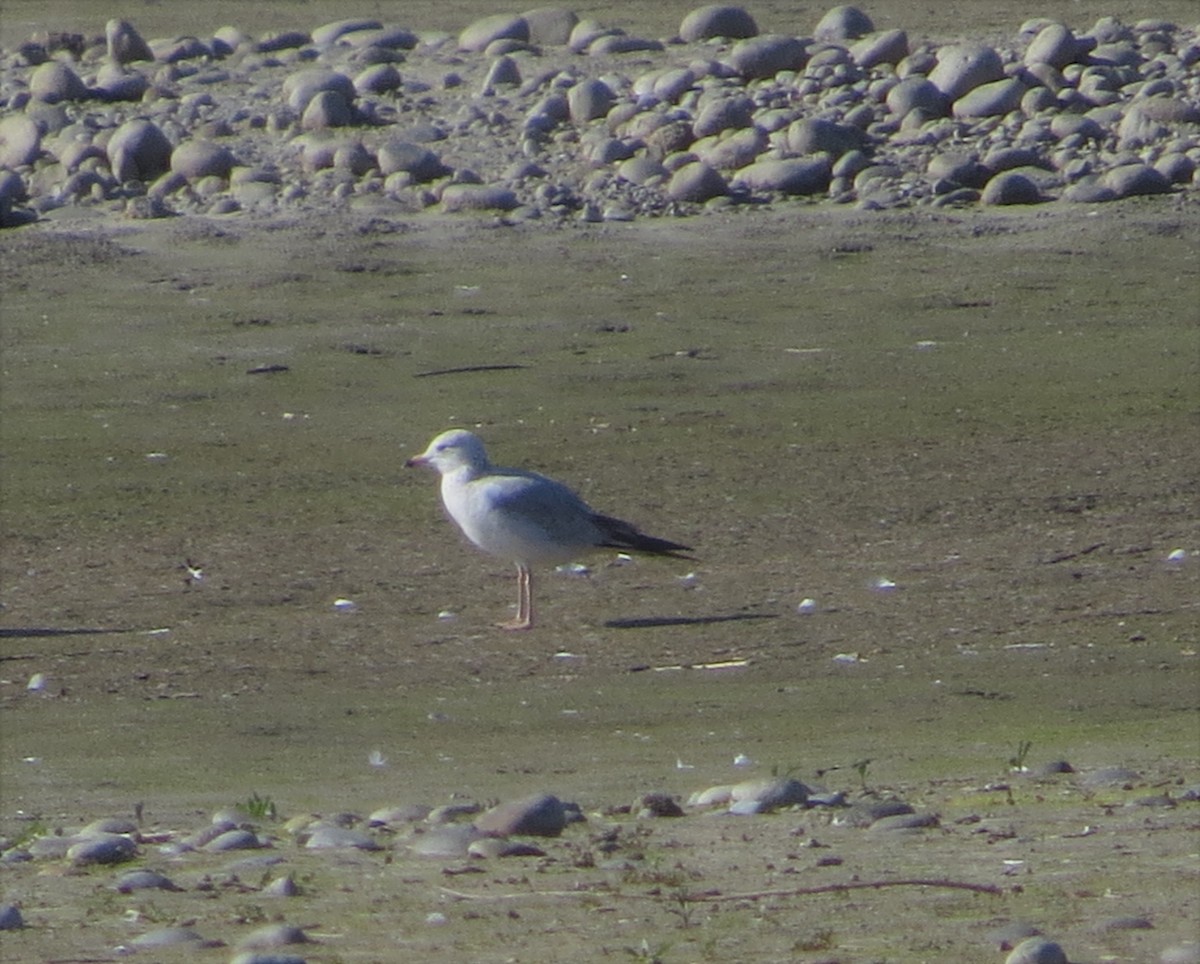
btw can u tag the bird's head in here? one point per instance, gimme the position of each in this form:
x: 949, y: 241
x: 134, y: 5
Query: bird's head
x: 451, y: 451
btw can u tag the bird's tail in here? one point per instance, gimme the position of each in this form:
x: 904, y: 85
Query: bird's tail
x: 619, y: 534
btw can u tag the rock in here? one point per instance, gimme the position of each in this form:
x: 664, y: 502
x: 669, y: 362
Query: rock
x: 815, y: 135
x: 656, y: 805
x: 20, y: 141
x: 199, y: 159
x: 1130, y: 180
x: 990, y: 100
x: 843, y: 23
x: 54, y: 81
x: 1037, y: 950
x: 500, y: 26
x: 1057, y: 46
x: 420, y: 163
x: 378, y: 79
x: 1138, y: 129
x: 328, y: 838
x: 1089, y: 192
x: 171, y: 937
x: 283, y: 40
x: 253, y: 957
x: 493, y: 847
x: 273, y: 935
x: 1011, y: 187
x: 541, y: 815
x: 115, y: 83
x: 903, y: 822
x: 550, y: 25
x: 448, y: 841
x: 327, y: 109
x: 917, y: 93
x: 787, y: 176
x: 301, y: 87
x: 138, y: 151
x: 963, y: 67
x: 125, y: 44
x: 102, y: 848
x: 733, y: 151
x: 236, y: 839
x: 763, y: 796
x: 1186, y: 953
x: 717, y: 20
x: 10, y: 918
x: 393, y: 816
x: 697, y: 183
x: 133, y: 880
x: 888, y: 47
x: 589, y: 100
x: 763, y: 56
x: 330, y: 33
x: 723, y: 114
x: 862, y: 815
x: 503, y: 72
x: 1177, y: 168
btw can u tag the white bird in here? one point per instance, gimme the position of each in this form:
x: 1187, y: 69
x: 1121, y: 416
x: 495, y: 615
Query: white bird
x: 523, y: 516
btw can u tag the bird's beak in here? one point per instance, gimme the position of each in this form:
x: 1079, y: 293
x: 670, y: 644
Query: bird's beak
x: 415, y: 461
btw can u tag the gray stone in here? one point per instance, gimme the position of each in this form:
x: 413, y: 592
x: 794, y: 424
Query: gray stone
x: 815, y: 135
x: 1057, y: 46
x: 1129, y: 180
x: 541, y: 815
x: 199, y: 159
x: 115, y: 83
x: 888, y: 47
x: 273, y: 935
x: 733, y: 151
x: 125, y: 45
x: 589, y: 100
x: 449, y: 841
x: 419, y: 162
x: 170, y: 937
x: 333, y: 838
x: 717, y: 20
x: 963, y: 67
x: 500, y: 26
x: 133, y: 880
x: 696, y: 182
x: 723, y: 114
x: 103, y: 848
x: 328, y: 108
x: 378, y: 79
x: 458, y: 198
x: 550, y: 25
x: 10, y: 918
x: 54, y: 81
x: 301, y: 87
x: 787, y: 176
x: 990, y: 100
x: 763, y: 796
x: 1037, y: 950
x: 20, y: 141
x: 330, y: 33
x: 764, y: 56
x: 917, y: 93
x: 236, y: 839
x: 1011, y: 187
x: 843, y: 23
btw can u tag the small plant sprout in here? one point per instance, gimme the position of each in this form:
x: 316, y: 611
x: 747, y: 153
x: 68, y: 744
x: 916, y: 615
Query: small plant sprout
x: 1016, y: 762
x: 260, y: 808
x: 860, y: 767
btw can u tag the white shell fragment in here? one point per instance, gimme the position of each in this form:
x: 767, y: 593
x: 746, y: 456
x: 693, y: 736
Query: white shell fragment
x: 345, y: 605
x: 806, y: 606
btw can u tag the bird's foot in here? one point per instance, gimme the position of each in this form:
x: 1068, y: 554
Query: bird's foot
x: 516, y: 625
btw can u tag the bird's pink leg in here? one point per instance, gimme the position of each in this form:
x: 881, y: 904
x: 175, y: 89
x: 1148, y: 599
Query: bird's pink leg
x: 524, y: 618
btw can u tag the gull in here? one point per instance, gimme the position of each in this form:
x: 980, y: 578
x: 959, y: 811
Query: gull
x: 524, y: 517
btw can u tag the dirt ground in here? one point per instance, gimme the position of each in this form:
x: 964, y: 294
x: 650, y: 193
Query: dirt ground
x: 996, y: 413
x: 969, y: 438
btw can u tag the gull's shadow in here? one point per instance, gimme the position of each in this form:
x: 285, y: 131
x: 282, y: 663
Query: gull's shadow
x: 646, y: 622
x: 38, y: 632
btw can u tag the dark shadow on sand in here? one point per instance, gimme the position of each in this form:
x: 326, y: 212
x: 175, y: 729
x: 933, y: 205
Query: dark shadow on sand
x: 647, y: 622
